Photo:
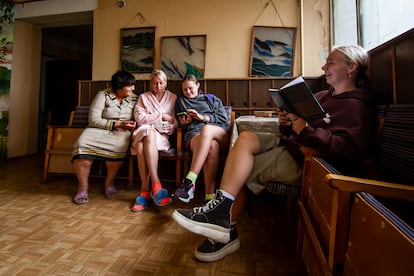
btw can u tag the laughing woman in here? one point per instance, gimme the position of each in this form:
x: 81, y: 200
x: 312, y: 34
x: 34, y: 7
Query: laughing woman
x: 257, y: 158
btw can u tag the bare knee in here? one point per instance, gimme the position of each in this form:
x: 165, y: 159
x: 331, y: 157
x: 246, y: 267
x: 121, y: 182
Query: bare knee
x: 82, y: 163
x: 248, y: 141
x: 151, y: 137
x: 207, y: 131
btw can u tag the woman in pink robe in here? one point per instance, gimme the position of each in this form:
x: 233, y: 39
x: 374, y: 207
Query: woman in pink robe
x: 154, y: 114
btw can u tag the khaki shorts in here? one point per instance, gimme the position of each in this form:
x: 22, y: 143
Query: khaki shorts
x: 273, y: 163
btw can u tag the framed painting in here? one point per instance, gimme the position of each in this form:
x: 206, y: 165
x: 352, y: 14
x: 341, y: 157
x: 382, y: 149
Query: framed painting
x: 272, y: 51
x: 181, y: 55
x: 137, y: 49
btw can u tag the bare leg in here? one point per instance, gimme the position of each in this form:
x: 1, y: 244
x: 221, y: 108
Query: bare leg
x: 200, y: 145
x: 238, y: 205
x: 240, y: 162
x: 151, y: 155
x: 214, y: 221
x: 148, y: 157
x: 82, y: 168
x: 112, y: 168
x: 210, y: 167
x: 142, y: 167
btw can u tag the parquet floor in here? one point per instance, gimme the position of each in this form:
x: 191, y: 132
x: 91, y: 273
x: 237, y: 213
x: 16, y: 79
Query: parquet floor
x: 43, y: 233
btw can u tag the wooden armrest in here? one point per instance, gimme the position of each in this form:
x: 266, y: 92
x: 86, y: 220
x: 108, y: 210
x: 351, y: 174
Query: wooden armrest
x: 378, y: 188
x: 179, y: 132
x: 309, y: 152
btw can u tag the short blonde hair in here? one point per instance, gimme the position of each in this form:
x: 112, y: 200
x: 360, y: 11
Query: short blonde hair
x: 358, y: 55
x: 160, y: 74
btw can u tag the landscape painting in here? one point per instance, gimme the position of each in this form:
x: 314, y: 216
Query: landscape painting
x: 272, y: 51
x: 182, y: 55
x: 137, y: 49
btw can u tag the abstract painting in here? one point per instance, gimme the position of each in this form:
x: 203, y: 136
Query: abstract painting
x: 182, y: 55
x: 272, y: 51
x: 137, y: 49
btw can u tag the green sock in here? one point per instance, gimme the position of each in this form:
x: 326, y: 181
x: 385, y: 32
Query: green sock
x: 209, y: 196
x: 192, y: 176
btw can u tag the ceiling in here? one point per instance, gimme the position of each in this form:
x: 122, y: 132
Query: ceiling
x: 24, y: 1
x: 61, y: 20
x: 57, y: 20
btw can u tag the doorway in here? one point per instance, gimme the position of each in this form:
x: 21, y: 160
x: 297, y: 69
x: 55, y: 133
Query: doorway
x: 66, y: 58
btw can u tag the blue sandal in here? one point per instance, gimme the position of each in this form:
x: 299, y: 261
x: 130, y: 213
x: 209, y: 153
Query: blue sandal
x: 161, y: 198
x: 141, y: 203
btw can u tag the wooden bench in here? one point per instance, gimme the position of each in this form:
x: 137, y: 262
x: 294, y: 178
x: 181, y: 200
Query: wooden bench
x: 328, y: 198
x: 60, y: 141
x: 59, y: 147
x: 378, y: 241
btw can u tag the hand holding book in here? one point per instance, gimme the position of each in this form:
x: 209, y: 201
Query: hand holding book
x: 297, y: 98
x: 289, y: 119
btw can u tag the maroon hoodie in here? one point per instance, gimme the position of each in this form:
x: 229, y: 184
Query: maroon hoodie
x: 347, y: 138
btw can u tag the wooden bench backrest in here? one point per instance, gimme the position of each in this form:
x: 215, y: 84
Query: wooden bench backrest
x: 396, y: 145
x: 379, y: 243
x: 79, y: 117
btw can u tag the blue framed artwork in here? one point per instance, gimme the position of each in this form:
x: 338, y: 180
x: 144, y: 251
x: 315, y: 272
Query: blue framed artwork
x: 272, y: 51
x: 181, y: 55
x: 137, y: 49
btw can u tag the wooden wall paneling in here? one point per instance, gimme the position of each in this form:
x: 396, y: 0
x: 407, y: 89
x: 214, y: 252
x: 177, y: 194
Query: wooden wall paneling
x: 174, y: 86
x: 218, y: 88
x: 244, y: 95
x: 141, y: 86
x: 259, y: 97
x: 381, y: 74
x: 404, y: 61
x: 238, y: 91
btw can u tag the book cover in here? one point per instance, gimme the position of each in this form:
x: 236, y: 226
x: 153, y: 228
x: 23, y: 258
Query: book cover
x: 296, y: 97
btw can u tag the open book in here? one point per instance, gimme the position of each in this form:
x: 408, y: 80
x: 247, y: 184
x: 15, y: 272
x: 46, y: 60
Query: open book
x: 297, y: 98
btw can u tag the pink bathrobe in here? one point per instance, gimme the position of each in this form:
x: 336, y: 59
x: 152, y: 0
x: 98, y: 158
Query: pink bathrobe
x: 148, y: 112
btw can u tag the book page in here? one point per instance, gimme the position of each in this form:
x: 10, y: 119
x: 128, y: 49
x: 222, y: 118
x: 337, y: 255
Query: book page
x: 293, y: 82
x: 297, y: 98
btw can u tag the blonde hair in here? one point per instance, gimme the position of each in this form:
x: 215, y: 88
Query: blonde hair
x: 160, y: 74
x: 358, y: 55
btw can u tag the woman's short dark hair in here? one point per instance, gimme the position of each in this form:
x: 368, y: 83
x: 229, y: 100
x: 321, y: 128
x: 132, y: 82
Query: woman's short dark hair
x: 190, y: 77
x: 121, y: 79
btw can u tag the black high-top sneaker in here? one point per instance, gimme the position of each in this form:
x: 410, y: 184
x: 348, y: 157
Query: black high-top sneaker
x: 211, y: 251
x: 211, y: 220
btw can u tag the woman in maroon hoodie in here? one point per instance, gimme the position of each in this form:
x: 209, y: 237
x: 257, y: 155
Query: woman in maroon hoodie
x: 256, y: 158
